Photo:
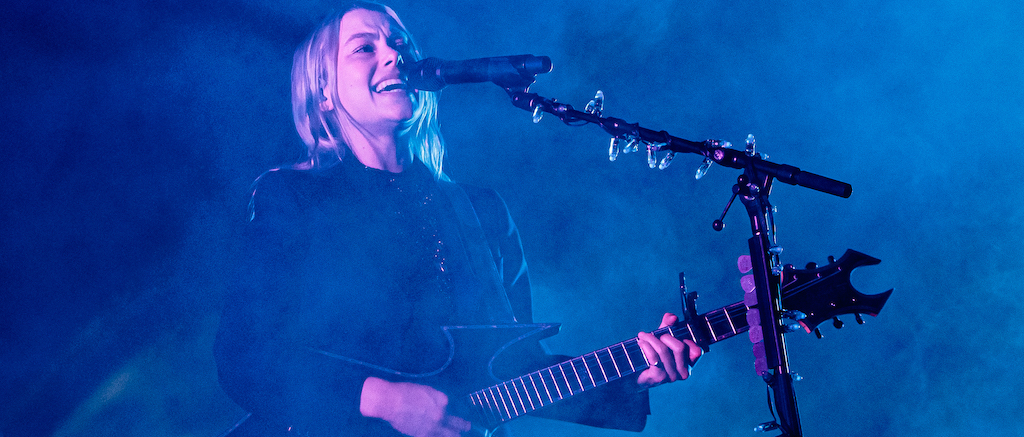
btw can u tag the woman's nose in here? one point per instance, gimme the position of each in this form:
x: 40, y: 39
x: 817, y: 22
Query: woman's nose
x: 392, y: 56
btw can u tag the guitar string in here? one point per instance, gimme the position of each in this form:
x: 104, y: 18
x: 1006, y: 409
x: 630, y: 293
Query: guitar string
x: 629, y: 347
x: 720, y: 318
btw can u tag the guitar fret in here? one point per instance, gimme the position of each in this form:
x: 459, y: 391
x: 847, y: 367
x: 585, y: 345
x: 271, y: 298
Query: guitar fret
x: 600, y: 366
x: 519, y: 395
x: 555, y: 382
x: 568, y: 379
x: 475, y: 400
x: 486, y: 401
x: 499, y: 396
x: 643, y: 355
x: 493, y: 407
x: 519, y: 409
x: 729, y: 318
x: 560, y: 369
x: 503, y: 407
x: 740, y: 310
x: 527, y: 391
x: 540, y: 399
x: 614, y: 364
x: 638, y: 354
x: 589, y: 372
x: 512, y: 399
x: 631, y: 366
x: 491, y: 413
x: 572, y: 364
x: 689, y: 330
x: 710, y: 328
x: 545, y: 385
x: 509, y: 402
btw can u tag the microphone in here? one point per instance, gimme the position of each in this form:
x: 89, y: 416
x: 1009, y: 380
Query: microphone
x: 432, y: 74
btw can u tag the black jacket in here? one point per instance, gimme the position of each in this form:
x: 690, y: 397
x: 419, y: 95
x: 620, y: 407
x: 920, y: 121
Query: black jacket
x: 350, y: 272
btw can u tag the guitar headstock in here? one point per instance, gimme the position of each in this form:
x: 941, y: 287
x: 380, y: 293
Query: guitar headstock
x: 830, y: 293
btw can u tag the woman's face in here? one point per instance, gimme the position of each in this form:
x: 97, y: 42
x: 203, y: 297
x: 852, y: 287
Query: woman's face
x: 369, y: 87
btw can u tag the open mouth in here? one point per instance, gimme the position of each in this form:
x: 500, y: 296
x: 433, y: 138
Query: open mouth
x: 390, y: 85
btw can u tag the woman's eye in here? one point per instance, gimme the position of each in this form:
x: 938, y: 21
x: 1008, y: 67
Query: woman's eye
x: 399, y: 44
x: 365, y: 48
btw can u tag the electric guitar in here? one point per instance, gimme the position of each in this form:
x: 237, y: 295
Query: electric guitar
x: 819, y: 293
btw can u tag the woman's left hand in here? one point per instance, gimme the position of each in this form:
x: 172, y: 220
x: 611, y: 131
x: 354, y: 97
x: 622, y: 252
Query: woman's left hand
x: 670, y: 358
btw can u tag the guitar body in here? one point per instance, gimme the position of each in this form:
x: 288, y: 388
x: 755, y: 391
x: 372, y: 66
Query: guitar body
x: 482, y: 355
x: 490, y: 354
x: 465, y: 370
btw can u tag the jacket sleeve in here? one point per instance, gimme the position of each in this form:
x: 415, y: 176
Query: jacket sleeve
x: 617, y: 405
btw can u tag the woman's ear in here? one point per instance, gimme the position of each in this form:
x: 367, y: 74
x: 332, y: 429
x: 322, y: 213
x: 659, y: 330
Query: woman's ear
x: 326, y: 103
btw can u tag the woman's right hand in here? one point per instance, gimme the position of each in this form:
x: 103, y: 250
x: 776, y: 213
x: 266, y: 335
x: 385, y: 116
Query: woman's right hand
x: 412, y: 409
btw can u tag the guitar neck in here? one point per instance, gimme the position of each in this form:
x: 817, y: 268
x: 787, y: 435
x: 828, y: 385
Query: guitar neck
x: 508, y: 400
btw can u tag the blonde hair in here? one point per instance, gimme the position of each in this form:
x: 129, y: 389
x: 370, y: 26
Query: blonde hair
x: 314, y: 66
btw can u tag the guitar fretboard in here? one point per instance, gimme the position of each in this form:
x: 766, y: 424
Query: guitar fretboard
x: 513, y: 398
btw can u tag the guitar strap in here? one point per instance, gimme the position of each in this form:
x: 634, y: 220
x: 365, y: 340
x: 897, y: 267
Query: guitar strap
x: 491, y: 294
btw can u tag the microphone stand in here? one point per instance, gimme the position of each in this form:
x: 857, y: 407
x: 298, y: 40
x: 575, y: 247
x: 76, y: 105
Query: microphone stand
x: 765, y: 315
x: 770, y: 358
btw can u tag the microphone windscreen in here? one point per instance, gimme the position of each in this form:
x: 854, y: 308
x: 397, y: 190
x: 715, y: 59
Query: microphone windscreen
x: 424, y: 75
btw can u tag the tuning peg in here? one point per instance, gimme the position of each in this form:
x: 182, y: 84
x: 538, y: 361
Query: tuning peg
x: 837, y: 323
x: 811, y: 266
x: 767, y: 426
x: 775, y: 251
x: 817, y: 333
x: 794, y: 315
x: 860, y: 321
x: 831, y: 259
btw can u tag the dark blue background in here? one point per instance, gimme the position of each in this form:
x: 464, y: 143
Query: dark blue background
x: 131, y: 131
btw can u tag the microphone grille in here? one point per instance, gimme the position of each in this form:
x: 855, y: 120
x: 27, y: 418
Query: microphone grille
x: 425, y: 75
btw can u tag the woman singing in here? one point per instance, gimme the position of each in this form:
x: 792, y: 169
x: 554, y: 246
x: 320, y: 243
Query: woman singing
x: 356, y: 256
